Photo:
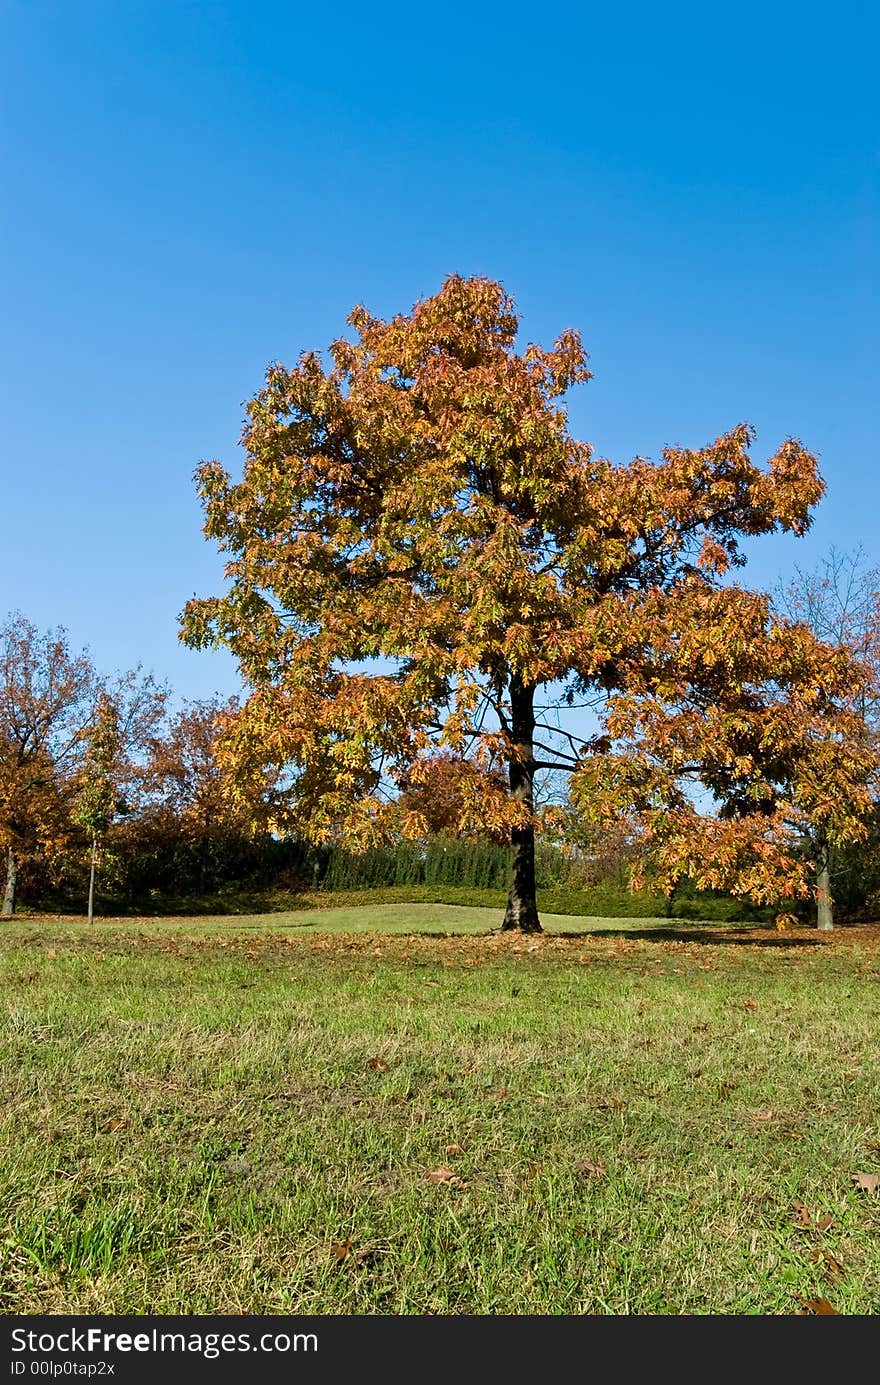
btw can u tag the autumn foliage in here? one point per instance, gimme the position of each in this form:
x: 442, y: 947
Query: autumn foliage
x: 418, y: 547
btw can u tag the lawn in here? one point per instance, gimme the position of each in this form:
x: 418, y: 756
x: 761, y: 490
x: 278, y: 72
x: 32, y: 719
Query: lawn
x: 398, y: 1111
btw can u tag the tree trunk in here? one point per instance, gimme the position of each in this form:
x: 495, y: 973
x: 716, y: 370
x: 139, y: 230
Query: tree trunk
x: 521, y: 914
x: 92, y: 879
x: 824, y: 902
x: 11, y: 881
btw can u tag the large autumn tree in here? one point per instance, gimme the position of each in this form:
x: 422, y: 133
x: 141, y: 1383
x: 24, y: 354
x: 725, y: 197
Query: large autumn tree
x: 423, y: 563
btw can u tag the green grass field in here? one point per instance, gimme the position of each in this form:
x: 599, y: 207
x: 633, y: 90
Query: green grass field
x: 397, y: 1111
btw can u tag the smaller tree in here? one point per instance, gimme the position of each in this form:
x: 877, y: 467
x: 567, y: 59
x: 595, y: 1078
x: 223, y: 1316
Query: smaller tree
x: 185, y: 776
x: 839, y: 601
x: 47, y: 702
x: 112, y: 778
x: 761, y: 740
x: 98, y: 800
x: 198, y: 824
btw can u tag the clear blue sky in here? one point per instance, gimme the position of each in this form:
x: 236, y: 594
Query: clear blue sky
x: 191, y: 190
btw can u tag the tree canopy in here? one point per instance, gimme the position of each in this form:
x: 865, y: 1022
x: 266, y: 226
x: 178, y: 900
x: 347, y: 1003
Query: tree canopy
x: 422, y: 561
x: 47, y: 699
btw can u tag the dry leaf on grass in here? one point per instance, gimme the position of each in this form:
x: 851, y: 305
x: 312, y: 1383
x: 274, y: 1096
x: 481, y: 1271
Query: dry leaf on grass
x: 345, y: 1250
x: 453, y: 1149
x: 802, y: 1214
x: 584, y: 1168
x: 378, y: 1064
x: 869, y: 1182
x: 819, y: 1255
x: 444, y: 1176
x: 819, y: 1305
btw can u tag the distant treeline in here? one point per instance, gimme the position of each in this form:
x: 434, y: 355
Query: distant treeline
x: 202, y: 875
x: 100, y: 779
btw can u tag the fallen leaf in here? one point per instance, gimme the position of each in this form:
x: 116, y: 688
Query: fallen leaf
x: 341, y: 1250
x: 869, y: 1182
x: 819, y: 1305
x: 443, y: 1176
x: 378, y: 1064
x: 453, y: 1149
x: 585, y: 1169
x: 819, y: 1255
x: 50, y: 952
x: 826, y: 1222
x: 802, y: 1214
x: 115, y: 1123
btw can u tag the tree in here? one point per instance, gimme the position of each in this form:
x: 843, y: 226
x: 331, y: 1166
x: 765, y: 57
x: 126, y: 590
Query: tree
x: 113, y: 773
x: 98, y: 800
x: 418, y: 546
x: 187, y: 779
x: 47, y: 699
x: 840, y: 602
x: 196, y: 822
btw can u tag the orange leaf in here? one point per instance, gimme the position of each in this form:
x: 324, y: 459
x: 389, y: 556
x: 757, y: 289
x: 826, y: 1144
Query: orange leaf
x: 802, y: 1214
x: 442, y: 1176
x: 819, y: 1305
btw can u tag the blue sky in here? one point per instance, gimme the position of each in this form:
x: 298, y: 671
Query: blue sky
x: 191, y: 190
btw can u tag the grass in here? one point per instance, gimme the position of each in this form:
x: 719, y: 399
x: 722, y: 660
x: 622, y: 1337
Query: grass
x: 400, y: 1112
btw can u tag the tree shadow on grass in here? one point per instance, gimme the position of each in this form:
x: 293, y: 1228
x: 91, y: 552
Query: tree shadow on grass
x: 745, y: 937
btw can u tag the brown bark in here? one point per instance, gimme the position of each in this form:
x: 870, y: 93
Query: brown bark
x: 92, y: 879
x: 521, y: 914
x: 824, y: 901
x: 11, y: 881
